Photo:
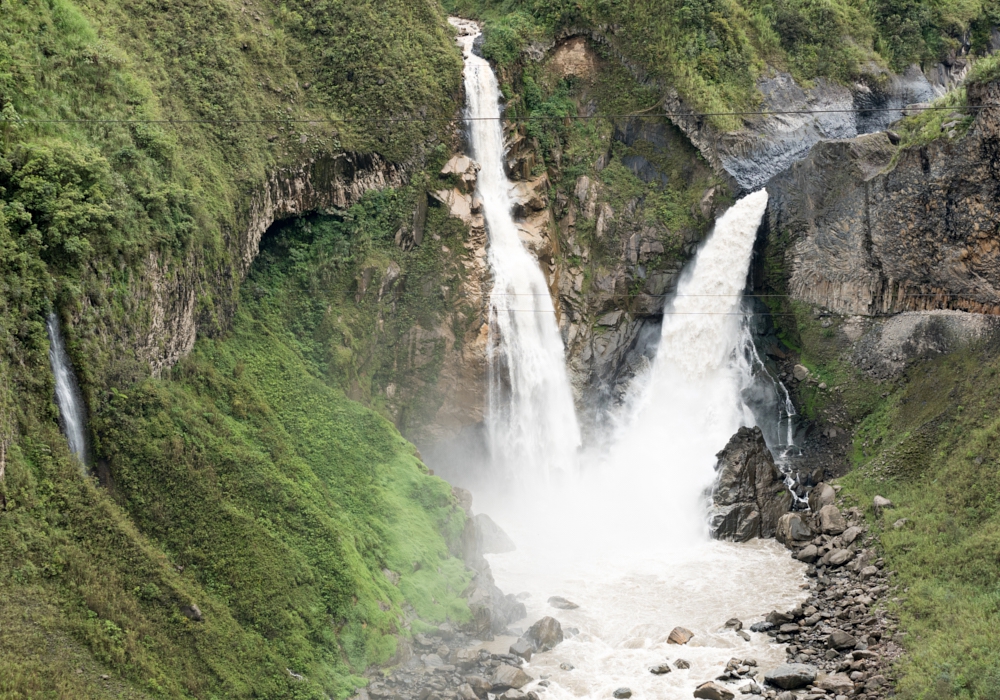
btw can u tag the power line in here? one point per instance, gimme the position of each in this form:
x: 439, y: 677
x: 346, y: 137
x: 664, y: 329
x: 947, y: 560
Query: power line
x: 540, y: 117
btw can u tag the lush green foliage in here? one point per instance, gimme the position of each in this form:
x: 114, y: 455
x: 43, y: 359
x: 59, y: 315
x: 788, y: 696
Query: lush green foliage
x: 247, y: 483
x: 712, y: 51
x: 930, y: 442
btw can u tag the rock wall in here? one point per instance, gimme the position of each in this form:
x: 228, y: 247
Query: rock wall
x: 167, y: 306
x: 862, y: 229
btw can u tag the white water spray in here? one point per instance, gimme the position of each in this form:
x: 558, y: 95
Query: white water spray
x: 623, y: 532
x: 531, y: 417
x: 67, y: 393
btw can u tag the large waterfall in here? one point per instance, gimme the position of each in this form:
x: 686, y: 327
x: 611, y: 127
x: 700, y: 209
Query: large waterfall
x: 531, y: 418
x: 622, y: 533
x: 68, y: 399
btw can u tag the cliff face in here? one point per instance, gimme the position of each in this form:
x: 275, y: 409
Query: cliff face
x: 861, y: 229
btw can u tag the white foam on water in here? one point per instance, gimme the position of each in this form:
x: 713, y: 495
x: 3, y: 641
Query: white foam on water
x: 621, y: 528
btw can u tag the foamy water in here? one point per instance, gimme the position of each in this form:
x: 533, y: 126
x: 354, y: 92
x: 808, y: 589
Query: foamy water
x: 621, y: 528
x: 630, y: 601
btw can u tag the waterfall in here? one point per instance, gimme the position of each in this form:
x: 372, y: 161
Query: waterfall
x: 68, y: 399
x: 531, y: 418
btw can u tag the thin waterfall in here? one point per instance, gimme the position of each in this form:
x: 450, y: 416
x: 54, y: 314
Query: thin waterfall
x: 71, y: 412
x: 531, y: 421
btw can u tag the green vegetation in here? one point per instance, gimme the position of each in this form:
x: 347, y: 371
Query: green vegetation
x: 246, y: 483
x: 932, y: 448
x: 928, y: 440
x: 712, y: 51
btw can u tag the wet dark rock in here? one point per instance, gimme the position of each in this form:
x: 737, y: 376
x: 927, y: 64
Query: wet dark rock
x: 750, y: 495
x: 566, y: 666
x: 808, y: 554
x: 544, y: 634
x: 660, y: 669
x: 682, y: 664
x: 821, y: 495
x: 622, y: 693
x: 734, y: 624
x: 761, y: 626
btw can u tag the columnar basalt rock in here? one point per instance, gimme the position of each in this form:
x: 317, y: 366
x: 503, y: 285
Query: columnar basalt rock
x: 869, y: 230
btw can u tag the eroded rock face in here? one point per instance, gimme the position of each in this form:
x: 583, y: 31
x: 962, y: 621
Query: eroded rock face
x: 750, y: 496
x: 868, y: 239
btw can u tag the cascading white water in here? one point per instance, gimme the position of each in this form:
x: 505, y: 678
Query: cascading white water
x: 626, y: 538
x: 67, y: 395
x: 531, y: 418
x: 623, y: 532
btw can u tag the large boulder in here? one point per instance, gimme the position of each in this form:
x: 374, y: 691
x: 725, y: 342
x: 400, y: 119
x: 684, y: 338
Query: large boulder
x: 491, y: 610
x: 791, y: 676
x: 494, y: 539
x: 544, y: 634
x: 507, y: 677
x: 792, y: 528
x: 750, y: 495
x: 821, y: 495
x: 831, y: 522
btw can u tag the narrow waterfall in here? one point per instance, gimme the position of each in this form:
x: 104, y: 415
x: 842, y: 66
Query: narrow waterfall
x: 68, y: 398
x: 531, y: 421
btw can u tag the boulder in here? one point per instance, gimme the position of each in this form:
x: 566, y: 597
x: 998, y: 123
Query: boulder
x: 682, y: 664
x: 821, y: 495
x: 838, y: 557
x: 851, y: 534
x: 808, y: 554
x: 713, y: 691
x: 561, y: 603
x: 792, y: 527
x: 734, y: 623
x: 660, y: 669
x: 800, y: 372
x: 679, y: 635
x: 192, y: 612
x: 840, y: 640
x: 544, y: 634
x: 622, y: 693
x: 491, y: 610
x: 523, y: 648
x: 749, y: 496
x: 507, y: 677
x: 880, y: 504
x: 831, y: 522
x: 791, y: 676
x: 480, y: 686
x: 465, y: 692
x: 837, y: 683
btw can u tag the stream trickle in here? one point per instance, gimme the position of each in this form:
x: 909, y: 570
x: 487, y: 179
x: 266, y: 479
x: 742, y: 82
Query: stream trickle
x: 68, y: 399
x: 620, y: 527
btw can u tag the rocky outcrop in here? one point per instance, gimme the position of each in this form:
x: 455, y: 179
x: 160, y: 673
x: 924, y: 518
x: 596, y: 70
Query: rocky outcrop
x: 750, y: 496
x: 863, y: 229
x: 491, y: 610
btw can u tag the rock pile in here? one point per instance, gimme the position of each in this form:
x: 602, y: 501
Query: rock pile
x: 841, y: 641
x: 442, y: 667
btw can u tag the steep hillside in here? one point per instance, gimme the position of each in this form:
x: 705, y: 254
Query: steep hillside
x: 145, y: 149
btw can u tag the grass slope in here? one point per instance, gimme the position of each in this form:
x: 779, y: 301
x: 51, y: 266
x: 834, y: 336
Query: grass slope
x: 928, y: 440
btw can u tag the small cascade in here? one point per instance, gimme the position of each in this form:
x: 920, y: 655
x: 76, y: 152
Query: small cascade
x: 71, y: 411
x: 532, y: 426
